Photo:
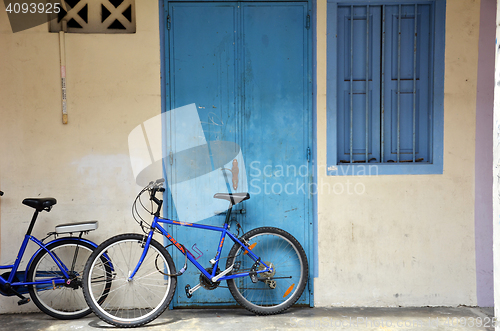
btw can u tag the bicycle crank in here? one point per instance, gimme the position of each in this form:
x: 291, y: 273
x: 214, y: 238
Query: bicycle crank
x: 190, y: 291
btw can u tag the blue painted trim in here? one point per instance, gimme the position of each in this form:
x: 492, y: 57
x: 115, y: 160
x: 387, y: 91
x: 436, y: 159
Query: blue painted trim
x: 380, y: 2
x: 165, y: 106
x: 310, y: 101
x: 312, y: 219
x: 165, y: 100
x: 163, y: 82
x: 376, y: 169
x: 331, y: 86
x: 314, y: 158
x: 438, y: 81
x: 437, y: 92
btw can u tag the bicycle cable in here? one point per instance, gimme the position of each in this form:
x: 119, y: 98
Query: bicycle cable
x: 145, y: 225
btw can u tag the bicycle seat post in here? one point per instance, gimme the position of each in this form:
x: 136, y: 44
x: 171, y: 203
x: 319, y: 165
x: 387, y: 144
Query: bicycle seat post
x: 39, y: 204
x: 32, y: 224
x: 228, y: 213
x: 231, y: 200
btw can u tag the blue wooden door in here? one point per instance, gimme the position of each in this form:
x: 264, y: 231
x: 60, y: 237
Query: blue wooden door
x: 246, y: 68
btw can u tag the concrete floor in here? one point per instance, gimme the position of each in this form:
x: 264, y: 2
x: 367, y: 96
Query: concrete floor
x: 368, y: 319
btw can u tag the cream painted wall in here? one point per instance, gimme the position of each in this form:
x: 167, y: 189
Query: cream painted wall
x: 113, y: 85
x: 407, y: 240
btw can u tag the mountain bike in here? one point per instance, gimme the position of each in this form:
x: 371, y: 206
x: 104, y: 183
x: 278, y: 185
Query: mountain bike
x: 53, y: 275
x: 266, y: 270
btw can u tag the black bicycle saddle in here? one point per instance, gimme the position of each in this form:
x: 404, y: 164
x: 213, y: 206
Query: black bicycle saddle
x: 234, y: 198
x: 39, y: 203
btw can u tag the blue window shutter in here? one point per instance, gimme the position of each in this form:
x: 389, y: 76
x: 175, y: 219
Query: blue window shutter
x: 399, y: 56
x: 352, y: 66
x: 402, y: 131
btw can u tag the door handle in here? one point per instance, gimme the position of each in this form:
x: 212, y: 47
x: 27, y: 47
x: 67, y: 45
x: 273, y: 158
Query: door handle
x: 235, y: 170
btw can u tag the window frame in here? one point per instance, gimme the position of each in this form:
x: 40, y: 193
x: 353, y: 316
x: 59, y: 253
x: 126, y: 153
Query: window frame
x: 437, y: 97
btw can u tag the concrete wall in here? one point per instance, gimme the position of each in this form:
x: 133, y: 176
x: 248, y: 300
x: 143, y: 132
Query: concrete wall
x: 408, y: 240
x: 113, y: 84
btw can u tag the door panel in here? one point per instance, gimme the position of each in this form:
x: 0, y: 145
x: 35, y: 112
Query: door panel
x: 276, y: 118
x: 202, y: 71
x: 245, y: 66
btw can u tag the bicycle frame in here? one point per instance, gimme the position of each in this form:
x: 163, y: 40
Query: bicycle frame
x: 14, y: 267
x: 224, y: 231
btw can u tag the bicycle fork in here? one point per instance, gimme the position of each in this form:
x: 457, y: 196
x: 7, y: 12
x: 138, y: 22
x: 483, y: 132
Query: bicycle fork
x: 145, y: 245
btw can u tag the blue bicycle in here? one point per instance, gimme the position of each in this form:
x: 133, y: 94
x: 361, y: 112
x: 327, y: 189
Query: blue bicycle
x: 53, y: 275
x: 266, y: 270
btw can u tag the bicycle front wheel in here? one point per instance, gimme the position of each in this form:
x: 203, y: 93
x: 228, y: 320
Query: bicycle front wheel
x: 62, y: 301
x: 274, y: 291
x: 131, y: 302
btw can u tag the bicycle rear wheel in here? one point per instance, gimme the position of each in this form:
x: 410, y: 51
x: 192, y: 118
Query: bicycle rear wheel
x: 63, y: 301
x: 134, y: 302
x: 275, y: 291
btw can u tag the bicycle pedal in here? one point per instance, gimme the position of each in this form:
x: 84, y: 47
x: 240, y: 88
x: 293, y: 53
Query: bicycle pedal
x: 23, y: 301
x: 187, y: 288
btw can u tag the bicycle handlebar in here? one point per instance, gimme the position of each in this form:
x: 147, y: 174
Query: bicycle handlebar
x: 156, y: 186
x: 151, y: 189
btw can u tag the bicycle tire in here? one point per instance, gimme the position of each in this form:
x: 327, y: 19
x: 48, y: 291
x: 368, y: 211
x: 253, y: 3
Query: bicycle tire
x: 131, y: 303
x: 60, y: 301
x: 288, y: 259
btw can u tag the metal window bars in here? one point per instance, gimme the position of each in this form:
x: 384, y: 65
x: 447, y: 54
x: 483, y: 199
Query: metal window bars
x: 383, y: 139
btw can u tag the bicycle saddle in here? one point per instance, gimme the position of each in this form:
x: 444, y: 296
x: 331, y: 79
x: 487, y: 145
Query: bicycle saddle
x: 39, y: 203
x: 234, y: 198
